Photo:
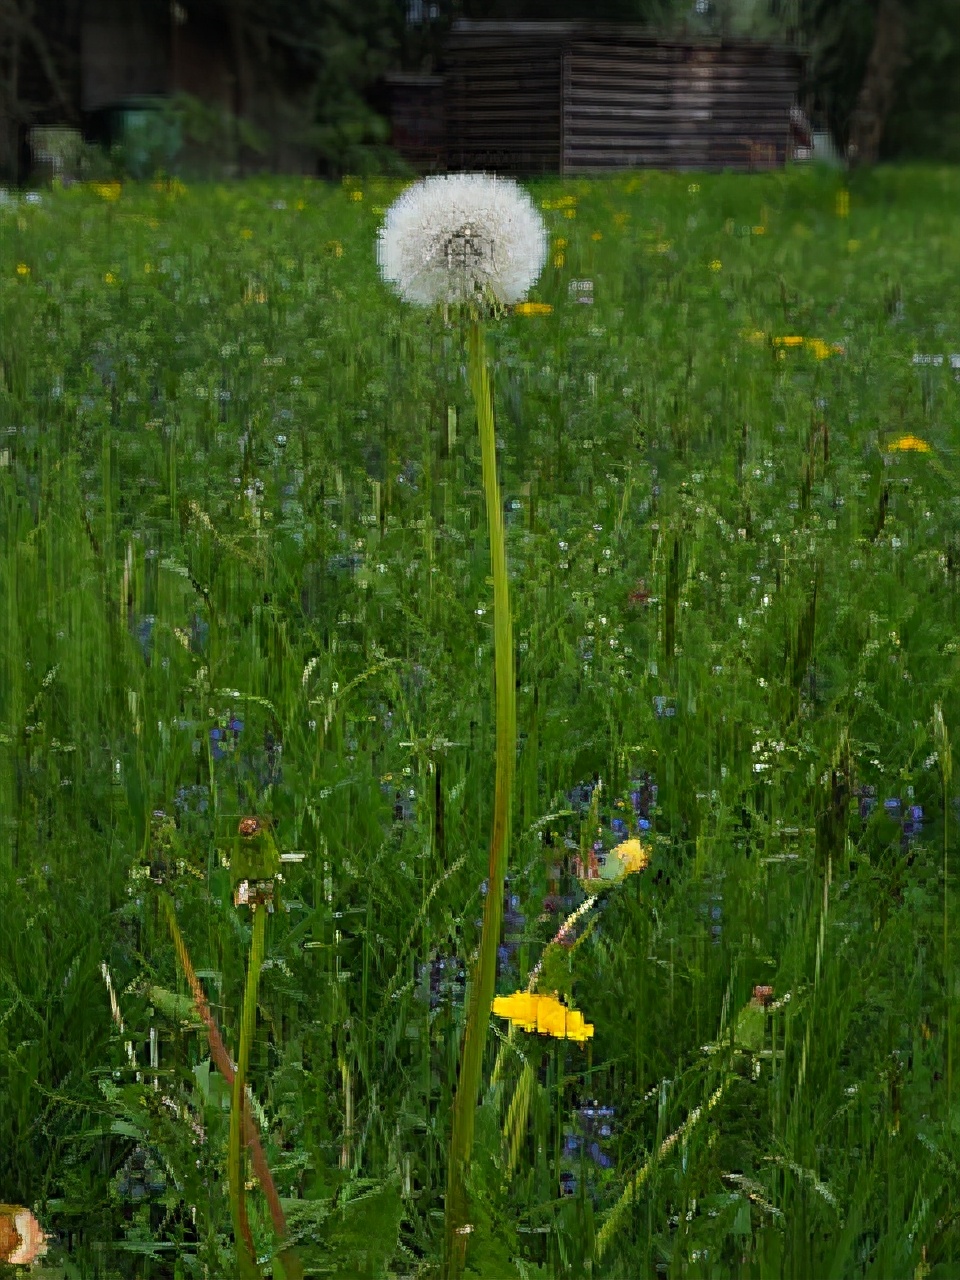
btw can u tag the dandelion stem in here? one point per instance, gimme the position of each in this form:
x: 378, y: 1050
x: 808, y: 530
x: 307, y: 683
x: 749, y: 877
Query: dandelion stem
x: 456, y: 1227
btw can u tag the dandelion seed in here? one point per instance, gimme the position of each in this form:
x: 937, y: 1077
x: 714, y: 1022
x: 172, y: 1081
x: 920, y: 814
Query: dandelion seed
x: 460, y: 237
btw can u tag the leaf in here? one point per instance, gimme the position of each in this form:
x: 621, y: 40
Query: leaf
x: 180, y: 1008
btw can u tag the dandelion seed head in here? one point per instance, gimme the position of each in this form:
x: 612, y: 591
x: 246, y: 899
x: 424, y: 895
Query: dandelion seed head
x: 461, y: 237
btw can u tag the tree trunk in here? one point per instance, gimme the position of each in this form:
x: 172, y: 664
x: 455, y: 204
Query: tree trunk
x: 242, y: 77
x: 887, y: 59
x: 10, y: 112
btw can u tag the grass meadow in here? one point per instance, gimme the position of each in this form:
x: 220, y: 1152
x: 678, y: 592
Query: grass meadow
x: 244, y: 570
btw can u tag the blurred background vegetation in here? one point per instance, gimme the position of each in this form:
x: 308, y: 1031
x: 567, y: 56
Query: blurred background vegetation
x: 303, y: 80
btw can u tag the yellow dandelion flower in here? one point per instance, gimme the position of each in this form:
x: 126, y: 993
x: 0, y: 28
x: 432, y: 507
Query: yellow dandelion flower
x: 791, y: 340
x: 543, y: 1014
x: 569, y: 213
x: 22, y: 269
x: 716, y: 265
x: 356, y: 195
x: 551, y: 1017
x: 758, y: 231
x: 107, y: 190
x: 520, y: 1009
x: 693, y: 188
x: 558, y: 259
x: 533, y: 309
x: 819, y: 348
x: 110, y: 278
x: 566, y: 202
x: 628, y: 856
x: 913, y: 443
x: 559, y: 243
x: 664, y: 246
x: 843, y: 204
x: 301, y: 205
x: 753, y: 335
x: 596, y: 235
x: 246, y: 234
x: 633, y: 855
x: 147, y: 268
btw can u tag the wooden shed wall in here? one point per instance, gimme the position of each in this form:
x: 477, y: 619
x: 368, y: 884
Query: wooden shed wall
x: 503, y: 83
x: 675, y: 106
x: 529, y: 98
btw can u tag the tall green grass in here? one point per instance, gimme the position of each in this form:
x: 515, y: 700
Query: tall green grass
x: 241, y: 492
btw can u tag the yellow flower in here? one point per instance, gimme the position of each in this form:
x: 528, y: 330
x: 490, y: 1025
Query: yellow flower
x: 559, y: 243
x: 596, y: 235
x: 693, y: 188
x: 716, y: 265
x: 301, y: 205
x: 911, y: 443
x: 22, y: 269
x: 558, y: 259
x: 621, y: 219
x: 110, y: 278
x: 791, y: 341
x: 108, y: 190
x: 569, y: 213
x: 246, y: 234
x: 544, y: 1014
x: 335, y: 247
x: 533, y: 308
x: 147, y: 268
x: 356, y: 195
x: 758, y: 231
x: 819, y: 348
x: 628, y: 856
x: 843, y: 204
x: 753, y: 335
x: 520, y: 1008
x: 632, y: 855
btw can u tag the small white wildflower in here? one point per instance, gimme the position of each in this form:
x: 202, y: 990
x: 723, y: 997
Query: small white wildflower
x: 453, y: 237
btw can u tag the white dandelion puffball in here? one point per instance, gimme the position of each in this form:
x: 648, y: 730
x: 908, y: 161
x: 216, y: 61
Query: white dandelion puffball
x: 462, y: 236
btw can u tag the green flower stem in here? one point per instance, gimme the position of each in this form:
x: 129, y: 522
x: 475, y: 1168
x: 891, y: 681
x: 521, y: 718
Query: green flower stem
x: 456, y: 1226
x: 238, y: 1201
